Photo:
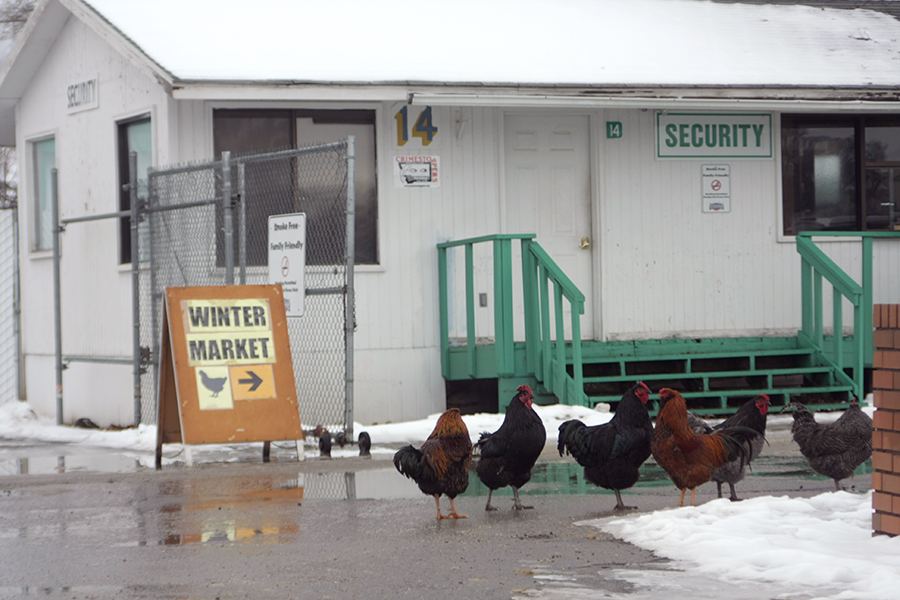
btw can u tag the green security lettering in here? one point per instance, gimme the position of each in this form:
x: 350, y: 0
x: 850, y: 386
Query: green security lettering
x: 671, y: 132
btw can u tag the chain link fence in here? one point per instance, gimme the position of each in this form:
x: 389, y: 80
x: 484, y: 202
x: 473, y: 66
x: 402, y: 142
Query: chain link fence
x: 194, y: 238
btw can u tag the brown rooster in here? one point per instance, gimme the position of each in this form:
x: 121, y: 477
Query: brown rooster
x: 441, y: 465
x: 751, y: 414
x: 690, y: 458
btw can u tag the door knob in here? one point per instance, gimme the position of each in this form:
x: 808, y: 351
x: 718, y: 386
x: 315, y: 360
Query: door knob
x: 585, y: 243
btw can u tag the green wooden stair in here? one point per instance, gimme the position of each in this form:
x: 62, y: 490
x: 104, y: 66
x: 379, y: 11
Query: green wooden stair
x: 714, y: 375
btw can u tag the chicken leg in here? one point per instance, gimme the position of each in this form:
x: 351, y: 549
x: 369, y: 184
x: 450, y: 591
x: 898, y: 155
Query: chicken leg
x: 453, y: 512
x: 621, y: 505
x: 518, y: 503
x: 488, y: 506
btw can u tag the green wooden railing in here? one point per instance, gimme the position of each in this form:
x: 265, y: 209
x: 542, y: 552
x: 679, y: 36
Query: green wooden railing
x: 545, y: 344
x: 816, y: 266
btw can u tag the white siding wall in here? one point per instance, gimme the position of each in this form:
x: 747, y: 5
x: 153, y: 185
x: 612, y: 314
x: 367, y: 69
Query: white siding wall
x: 397, y: 303
x: 672, y: 270
x: 667, y: 268
x: 96, y: 292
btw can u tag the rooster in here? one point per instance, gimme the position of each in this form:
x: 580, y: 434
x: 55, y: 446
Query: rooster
x: 508, y: 454
x: 441, y: 465
x: 691, y: 458
x: 612, y: 453
x: 751, y: 414
x: 835, y: 449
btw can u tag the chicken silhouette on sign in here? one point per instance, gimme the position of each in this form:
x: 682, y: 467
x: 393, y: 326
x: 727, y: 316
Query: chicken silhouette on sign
x: 214, y: 389
x: 213, y: 384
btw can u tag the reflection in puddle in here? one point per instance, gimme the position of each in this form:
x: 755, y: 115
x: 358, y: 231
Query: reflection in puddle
x: 235, y: 509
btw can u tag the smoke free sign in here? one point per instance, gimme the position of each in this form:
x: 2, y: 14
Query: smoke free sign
x: 287, y: 259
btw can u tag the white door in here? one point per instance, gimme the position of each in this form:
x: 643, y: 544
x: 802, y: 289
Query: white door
x: 548, y: 192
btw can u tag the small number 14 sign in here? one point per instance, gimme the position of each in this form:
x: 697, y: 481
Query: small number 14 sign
x: 613, y: 129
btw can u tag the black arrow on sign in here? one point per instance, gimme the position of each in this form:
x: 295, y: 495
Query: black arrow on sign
x: 255, y: 380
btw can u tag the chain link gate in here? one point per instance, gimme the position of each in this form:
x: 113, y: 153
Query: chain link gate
x: 208, y: 220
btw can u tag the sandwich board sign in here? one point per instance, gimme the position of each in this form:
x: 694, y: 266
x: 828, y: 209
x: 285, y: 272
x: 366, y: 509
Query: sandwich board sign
x: 226, y: 373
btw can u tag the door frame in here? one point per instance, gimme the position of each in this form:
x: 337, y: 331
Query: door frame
x: 595, y: 150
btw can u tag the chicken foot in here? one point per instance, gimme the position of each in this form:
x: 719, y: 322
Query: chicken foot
x: 621, y: 505
x: 518, y: 503
x: 453, y: 512
x: 734, y: 496
x: 489, y: 507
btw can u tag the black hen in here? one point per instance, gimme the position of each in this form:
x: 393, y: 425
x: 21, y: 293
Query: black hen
x: 612, y: 453
x: 508, y: 454
x: 441, y: 465
x: 834, y: 449
x: 752, y: 414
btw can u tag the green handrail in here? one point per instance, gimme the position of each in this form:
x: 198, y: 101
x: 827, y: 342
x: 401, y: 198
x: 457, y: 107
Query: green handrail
x: 816, y: 265
x: 538, y: 271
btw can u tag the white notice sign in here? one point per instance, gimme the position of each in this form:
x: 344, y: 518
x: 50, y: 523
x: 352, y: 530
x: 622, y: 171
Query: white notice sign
x: 287, y: 259
x: 716, y: 186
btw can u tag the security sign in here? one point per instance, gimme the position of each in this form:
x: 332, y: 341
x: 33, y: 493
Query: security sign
x: 226, y: 373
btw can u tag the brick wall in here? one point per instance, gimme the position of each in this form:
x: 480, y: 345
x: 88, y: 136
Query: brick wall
x: 886, y: 438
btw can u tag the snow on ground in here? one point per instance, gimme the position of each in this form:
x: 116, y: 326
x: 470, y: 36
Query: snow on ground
x: 19, y: 421
x: 819, y: 547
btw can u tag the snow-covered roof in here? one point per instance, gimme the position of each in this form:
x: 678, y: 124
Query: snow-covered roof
x: 513, y: 42
x: 460, y: 51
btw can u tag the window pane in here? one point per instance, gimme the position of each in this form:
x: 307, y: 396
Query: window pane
x: 276, y: 183
x: 883, y: 198
x: 44, y: 161
x: 819, y: 177
x: 137, y: 137
x: 318, y: 130
x: 251, y: 132
x: 883, y: 144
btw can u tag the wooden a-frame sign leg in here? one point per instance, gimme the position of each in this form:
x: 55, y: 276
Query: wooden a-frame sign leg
x: 168, y: 418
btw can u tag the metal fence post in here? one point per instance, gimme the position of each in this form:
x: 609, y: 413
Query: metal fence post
x: 228, y: 218
x: 57, y: 304
x: 242, y: 247
x: 135, y: 285
x: 349, y: 298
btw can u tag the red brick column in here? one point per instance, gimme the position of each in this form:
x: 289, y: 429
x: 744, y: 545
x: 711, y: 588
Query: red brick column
x: 886, y: 438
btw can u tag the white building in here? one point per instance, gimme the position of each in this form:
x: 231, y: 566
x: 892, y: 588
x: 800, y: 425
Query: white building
x: 664, y: 152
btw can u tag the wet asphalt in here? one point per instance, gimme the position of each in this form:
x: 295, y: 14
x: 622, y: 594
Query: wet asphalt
x: 346, y: 527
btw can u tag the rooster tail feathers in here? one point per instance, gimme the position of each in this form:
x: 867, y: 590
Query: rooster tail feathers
x: 737, y: 440
x: 482, y: 439
x: 568, y: 435
x: 409, y: 460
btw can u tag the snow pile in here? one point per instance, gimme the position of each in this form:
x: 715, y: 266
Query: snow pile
x: 820, y: 546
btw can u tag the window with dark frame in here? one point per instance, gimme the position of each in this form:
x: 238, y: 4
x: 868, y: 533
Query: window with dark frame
x: 246, y: 131
x: 134, y: 135
x: 840, y: 172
